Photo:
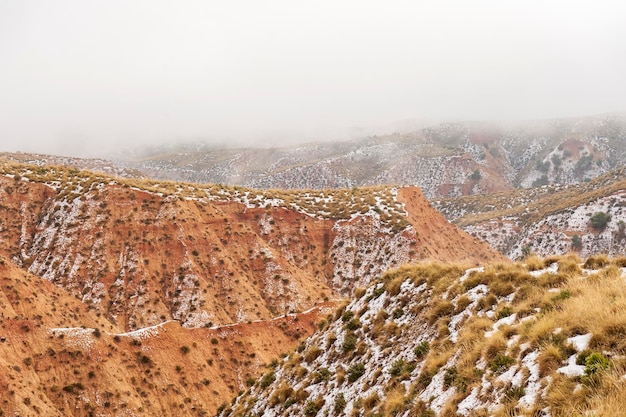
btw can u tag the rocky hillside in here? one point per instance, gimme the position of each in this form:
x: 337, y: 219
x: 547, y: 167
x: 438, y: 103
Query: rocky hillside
x: 445, y: 160
x: 587, y: 218
x: 441, y: 340
x: 145, y: 252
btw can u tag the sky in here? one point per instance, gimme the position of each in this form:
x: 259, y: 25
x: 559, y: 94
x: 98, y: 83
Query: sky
x: 80, y: 76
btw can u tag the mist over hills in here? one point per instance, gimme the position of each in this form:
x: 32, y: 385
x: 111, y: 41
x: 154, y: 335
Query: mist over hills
x: 444, y: 160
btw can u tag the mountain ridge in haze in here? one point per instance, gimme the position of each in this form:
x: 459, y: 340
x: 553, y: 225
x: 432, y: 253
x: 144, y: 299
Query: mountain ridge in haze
x: 444, y: 160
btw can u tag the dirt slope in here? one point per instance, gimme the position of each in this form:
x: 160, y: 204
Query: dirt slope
x: 60, y: 356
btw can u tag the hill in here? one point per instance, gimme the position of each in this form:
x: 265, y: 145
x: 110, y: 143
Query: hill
x: 137, y: 297
x: 146, y: 252
x: 548, y: 220
x: 442, y: 340
x: 445, y: 160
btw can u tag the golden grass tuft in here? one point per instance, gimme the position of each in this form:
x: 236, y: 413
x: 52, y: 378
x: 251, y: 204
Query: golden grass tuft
x: 395, y: 402
x: 596, y: 262
x: 549, y: 359
x: 495, y: 345
x: 534, y: 263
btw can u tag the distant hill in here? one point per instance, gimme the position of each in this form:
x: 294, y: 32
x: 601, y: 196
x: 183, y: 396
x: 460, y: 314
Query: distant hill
x: 587, y: 218
x: 445, y: 160
x: 100, y: 165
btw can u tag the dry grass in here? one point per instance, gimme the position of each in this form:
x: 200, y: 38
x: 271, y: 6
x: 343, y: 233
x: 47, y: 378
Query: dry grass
x: 471, y: 341
x: 550, y: 359
x: 607, y: 399
x: 396, y: 402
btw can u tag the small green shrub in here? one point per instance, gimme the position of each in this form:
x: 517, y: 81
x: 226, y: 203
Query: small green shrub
x: 267, y: 380
x: 595, y: 363
x: 401, y: 368
x: 452, y: 378
x: 577, y: 242
x: 312, y: 407
x: 340, y: 403
x: 599, y: 220
x: 514, y: 393
x: 504, y: 312
x: 347, y: 316
x: 349, y: 343
x: 500, y: 363
x: 353, y: 324
x: 355, y: 371
x: 421, y: 349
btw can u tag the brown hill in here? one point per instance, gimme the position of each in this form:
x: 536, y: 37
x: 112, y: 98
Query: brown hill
x: 145, y: 255
x: 161, y: 270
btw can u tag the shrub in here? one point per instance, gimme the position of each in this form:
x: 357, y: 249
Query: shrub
x: 421, y: 349
x: 353, y: 324
x: 577, y: 242
x: 267, y: 380
x: 505, y: 311
x: 452, y: 378
x: 599, y: 220
x: 347, y: 316
x: 401, y: 368
x: 595, y: 362
x: 323, y: 374
x: 514, y: 393
x: 355, y: 371
x: 340, y: 403
x: 397, y: 313
x: 185, y: 350
x: 313, y: 406
x: 500, y: 363
x: 349, y: 343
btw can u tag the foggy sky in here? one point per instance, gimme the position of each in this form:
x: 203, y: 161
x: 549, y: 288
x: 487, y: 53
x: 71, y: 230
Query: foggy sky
x: 78, y: 74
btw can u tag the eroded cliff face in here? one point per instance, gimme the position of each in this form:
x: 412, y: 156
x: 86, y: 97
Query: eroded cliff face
x: 213, y: 256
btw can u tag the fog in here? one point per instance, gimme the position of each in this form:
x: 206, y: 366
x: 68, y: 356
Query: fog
x: 79, y: 77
